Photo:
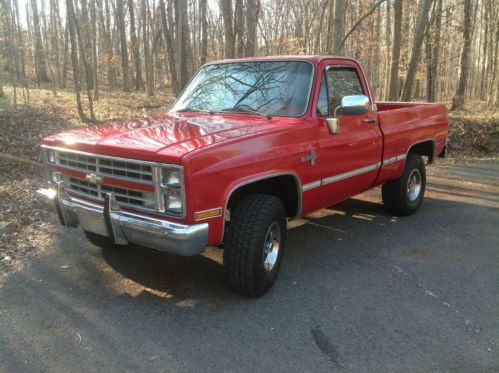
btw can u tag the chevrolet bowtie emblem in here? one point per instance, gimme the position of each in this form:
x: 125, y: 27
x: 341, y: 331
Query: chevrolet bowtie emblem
x: 94, y: 179
x: 310, y: 158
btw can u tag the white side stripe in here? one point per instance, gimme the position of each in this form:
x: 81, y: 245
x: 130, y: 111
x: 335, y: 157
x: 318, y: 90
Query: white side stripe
x: 349, y: 174
x: 312, y: 185
x: 346, y: 175
x: 394, y: 159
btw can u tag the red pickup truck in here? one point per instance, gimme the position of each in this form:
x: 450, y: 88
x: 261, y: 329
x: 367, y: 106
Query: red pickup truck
x: 248, y: 144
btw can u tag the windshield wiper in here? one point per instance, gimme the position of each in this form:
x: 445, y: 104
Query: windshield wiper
x: 195, y: 109
x: 245, y: 109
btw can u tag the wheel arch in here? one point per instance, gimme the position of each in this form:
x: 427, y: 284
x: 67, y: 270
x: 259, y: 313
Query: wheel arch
x: 284, y: 185
x: 423, y: 148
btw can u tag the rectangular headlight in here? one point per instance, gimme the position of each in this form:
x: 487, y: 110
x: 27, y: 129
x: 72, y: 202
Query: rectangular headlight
x: 171, y: 177
x: 51, y: 156
x: 173, y: 204
x: 172, y: 189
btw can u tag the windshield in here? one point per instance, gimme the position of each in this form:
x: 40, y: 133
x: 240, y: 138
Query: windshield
x: 278, y: 88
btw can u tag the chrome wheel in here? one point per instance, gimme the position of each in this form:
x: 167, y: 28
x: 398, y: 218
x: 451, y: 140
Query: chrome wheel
x: 414, y: 184
x: 271, y: 246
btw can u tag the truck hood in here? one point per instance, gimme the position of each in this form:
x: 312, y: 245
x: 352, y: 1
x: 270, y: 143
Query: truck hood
x: 169, y: 136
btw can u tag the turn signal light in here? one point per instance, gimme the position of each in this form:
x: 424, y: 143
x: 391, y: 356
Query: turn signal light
x: 208, y: 214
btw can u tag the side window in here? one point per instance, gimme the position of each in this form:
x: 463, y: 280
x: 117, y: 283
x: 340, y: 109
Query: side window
x: 341, y: 81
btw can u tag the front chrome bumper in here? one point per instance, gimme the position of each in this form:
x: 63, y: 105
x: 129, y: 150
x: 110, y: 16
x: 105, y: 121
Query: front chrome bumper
x: 124, y: 227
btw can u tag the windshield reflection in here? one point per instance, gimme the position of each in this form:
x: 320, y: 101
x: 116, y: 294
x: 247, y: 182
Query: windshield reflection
x: 278, y: 88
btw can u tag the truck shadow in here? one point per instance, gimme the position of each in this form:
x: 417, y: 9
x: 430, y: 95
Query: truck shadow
x: 345, y: 234
x: 201, y: 278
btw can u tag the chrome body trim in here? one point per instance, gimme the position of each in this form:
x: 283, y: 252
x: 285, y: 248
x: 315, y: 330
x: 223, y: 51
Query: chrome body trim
x: 349, y: 174
x: 312, y: 185
x: 125, y: 227
x: 394, y: 159
x: 298, y: 186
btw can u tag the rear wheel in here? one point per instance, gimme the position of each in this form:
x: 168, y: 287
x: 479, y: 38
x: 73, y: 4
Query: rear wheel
x: 254, y: 244
x: 404, y: 195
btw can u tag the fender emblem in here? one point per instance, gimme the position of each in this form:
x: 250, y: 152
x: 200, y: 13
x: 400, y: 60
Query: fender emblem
x: 94, y: 179
x: 312, y: 157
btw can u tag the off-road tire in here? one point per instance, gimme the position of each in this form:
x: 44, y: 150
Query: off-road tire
x: 395, y: 193
x: 247, y: 233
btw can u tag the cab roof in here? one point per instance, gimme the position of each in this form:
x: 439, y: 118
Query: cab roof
x: 315, y: 59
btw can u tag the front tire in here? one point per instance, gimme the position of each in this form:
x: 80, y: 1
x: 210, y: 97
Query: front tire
x: 404, y: 195
x: 254, y: 244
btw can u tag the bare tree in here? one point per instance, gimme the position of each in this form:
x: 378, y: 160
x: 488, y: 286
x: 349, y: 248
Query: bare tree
x: 71, y: 19
x: 458, y: 99
x: 252, y: 13
x: 40, y: 65
x: 94, y: 69
x: 433, y: 55
x: 230, y: 38
x: 416, y: 49
x: 148, y: 66
x: 123, y: 45
x: 135, y: 47
x: 204, y: 30
x: 169, y: 42
x: 339, y: 24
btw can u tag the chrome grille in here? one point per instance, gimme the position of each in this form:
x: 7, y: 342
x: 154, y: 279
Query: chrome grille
x: 117, y: 169
x: 124, y: 196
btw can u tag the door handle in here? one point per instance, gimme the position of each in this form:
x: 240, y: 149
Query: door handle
x: 368, y: 120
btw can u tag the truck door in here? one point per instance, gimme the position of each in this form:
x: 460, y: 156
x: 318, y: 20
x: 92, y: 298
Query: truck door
x: 349, y: 157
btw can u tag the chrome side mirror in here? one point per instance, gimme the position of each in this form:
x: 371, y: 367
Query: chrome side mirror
x: 350, y: 105
x: 354, y: 105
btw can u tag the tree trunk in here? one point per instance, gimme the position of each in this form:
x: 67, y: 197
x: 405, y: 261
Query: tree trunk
x: 40, y: 60
x: 74, y: 57
x: 135, y: 47
x: 239, y: 28
x: 204, y: 31
x: 167, y: 33
x: 252, y: 14
x: 123, y: 45
x: 147, y: 54
x: 55, y: 21
x: 183, y: 44
x: 84, y: 26
x: 88, y: 70
x: 95, y: 66
x: 64, y: 76
x: 458, y: 99
x: 230, y: 40
x: 397, y: 37
x: 434, y: 55
x: 416, y: 49
x: 339, y: 24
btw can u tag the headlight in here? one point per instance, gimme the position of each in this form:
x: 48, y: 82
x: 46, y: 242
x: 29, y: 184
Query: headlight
x: 171, y: 177
x: 173, y: 203
x: 51, y: 156
x: 172, y: 188
x: 54, y: 176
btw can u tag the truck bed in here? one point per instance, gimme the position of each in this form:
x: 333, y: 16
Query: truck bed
x: 405, y: 124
